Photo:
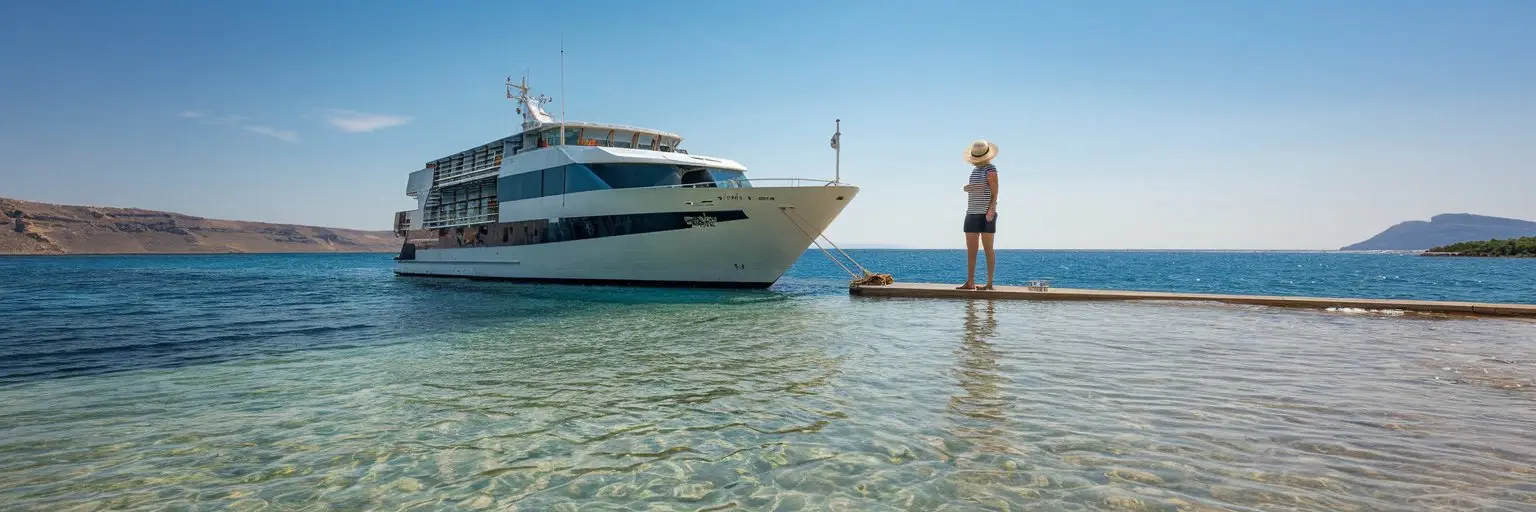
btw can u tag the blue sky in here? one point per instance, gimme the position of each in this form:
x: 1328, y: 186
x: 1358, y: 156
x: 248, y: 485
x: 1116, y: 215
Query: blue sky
x: 1177, y: 124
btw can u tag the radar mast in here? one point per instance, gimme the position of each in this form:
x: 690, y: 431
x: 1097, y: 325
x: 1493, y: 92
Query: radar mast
x: 529, y: 106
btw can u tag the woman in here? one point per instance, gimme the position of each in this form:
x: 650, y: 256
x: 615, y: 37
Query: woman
x: 980, y: 211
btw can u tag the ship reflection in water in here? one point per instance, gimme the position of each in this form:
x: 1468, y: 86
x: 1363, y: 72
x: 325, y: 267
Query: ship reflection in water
x: 292, y: 382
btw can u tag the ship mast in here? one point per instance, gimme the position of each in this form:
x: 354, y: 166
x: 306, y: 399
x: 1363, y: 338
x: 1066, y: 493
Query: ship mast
x: 533, y: 115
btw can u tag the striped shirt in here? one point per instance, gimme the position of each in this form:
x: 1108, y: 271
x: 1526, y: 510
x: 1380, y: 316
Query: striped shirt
x: 981, y: 197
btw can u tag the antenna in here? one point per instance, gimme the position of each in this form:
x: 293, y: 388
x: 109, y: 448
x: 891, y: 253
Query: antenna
x: 563, y: 97
x: 528, y: 106
x: 522, y: 92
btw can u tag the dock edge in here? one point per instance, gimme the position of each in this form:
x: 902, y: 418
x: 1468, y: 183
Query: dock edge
x: 941, y: 291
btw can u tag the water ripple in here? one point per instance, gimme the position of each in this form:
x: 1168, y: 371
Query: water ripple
x: 373, y: 392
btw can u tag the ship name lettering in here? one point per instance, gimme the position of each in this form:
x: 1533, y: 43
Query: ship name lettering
x: 699, y: 221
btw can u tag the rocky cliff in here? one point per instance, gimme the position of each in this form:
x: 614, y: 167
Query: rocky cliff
x: 1444, y: 229
x: 40, y: 228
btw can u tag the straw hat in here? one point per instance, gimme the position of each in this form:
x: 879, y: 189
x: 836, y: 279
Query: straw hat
x: 980, y: 151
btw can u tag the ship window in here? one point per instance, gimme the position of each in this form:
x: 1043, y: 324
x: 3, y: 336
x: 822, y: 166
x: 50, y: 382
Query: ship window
x: 554, y: 181
x: 578, y: 178
x: 636, y: 175
x: 730, y: 179
x: 527, y: 185
x: 698, y: 178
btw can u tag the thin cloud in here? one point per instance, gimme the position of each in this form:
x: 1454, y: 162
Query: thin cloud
x: 359, y: 122
x: 204, y: 117
x: 284, y: 135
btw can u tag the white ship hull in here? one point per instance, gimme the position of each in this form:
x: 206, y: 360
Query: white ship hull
x: 734, y: 237
x: 606, y: 203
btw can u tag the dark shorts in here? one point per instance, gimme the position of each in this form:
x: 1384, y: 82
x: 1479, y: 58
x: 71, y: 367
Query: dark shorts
x: 978, y: 223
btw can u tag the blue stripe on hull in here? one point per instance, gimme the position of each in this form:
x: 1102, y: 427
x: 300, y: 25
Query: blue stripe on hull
x: 566, y: 229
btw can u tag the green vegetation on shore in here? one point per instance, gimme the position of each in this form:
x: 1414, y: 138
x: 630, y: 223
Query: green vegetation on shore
x: 1513, y: 247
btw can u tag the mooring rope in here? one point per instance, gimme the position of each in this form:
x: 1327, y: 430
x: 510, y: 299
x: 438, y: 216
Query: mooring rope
x: 839, y: 249
x: 785, y: 210
x: 869, y: 278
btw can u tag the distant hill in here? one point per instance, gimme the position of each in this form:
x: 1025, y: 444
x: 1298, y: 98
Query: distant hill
x: 40, y: 228
x: 1509, y: 248
x: 1444, y: 229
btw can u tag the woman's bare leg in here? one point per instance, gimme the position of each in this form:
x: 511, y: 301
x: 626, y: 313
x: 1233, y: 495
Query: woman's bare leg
x: 970, y: 262
x: 986, y: 243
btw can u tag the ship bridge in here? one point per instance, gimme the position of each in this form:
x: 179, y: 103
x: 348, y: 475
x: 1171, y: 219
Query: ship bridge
x: 602, y: 135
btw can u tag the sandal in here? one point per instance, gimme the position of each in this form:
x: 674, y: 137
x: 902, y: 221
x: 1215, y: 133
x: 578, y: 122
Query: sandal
x: 966, y: 287
x: 987, y: 287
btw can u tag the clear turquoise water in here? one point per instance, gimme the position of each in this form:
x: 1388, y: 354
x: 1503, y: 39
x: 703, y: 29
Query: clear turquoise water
x: 324, y: 382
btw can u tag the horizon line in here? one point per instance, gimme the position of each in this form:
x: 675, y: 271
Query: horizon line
x: 1126, y: 249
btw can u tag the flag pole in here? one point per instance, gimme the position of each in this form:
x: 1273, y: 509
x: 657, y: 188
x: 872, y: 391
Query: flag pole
x: 837, y: 144
x: 562, y: 89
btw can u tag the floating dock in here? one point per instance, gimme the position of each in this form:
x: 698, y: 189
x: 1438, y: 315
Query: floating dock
x: 948, y: 291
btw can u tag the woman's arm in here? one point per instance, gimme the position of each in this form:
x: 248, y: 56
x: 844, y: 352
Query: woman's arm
x: 992, y: 185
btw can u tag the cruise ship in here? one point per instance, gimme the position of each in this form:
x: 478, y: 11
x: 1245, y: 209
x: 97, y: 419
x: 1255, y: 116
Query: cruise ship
x: 582, y: 202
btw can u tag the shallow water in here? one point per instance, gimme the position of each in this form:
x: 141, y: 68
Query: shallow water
x: 323, y: 382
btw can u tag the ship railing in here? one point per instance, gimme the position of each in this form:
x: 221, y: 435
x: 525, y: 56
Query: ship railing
x: 772, y: 182
x: 458, y: 221
x: 402, y: 222
x: 450, y: 177
x: 621, y: 144
x: 611, y: 126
